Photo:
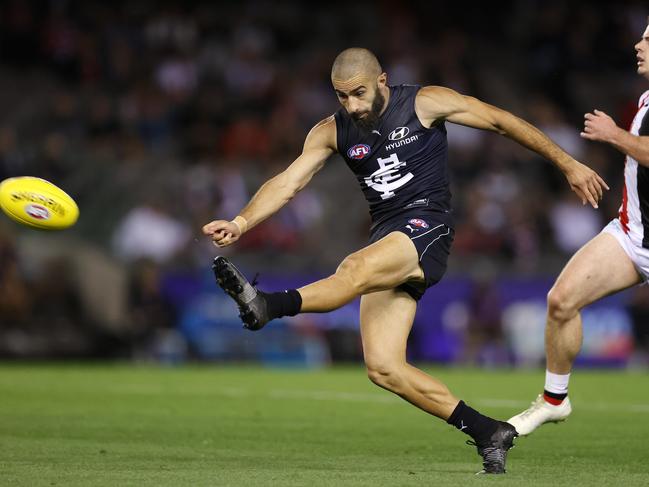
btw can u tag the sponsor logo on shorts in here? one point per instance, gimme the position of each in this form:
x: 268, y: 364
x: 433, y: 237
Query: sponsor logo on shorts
x: 417, y: 222
x: 359, y: 151
x: 37, y: 211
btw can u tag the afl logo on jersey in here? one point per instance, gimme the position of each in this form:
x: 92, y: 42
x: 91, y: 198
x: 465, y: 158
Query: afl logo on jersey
x: 359, y: 151
x: 399, y: 133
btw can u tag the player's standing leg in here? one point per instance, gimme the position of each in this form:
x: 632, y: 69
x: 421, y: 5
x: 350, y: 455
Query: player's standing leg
x: 386, y: 320
x: 598, y: 269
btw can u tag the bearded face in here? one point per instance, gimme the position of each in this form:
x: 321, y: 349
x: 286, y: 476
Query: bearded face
x: 367, y: 120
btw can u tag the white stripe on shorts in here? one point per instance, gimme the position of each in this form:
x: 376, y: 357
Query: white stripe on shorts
x: 425, y: 233
x: 438, y: 237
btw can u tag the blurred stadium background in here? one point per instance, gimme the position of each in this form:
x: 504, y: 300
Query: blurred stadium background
x: 159, y: 117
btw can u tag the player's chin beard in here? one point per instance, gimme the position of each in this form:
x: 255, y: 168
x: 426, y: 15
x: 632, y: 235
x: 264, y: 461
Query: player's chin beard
x: 370, y: 122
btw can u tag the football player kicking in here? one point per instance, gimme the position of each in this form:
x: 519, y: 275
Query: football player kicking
x: 616, y: 259
x: 393, y: 138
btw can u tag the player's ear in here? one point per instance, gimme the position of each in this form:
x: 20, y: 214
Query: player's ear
x: 382, y: 79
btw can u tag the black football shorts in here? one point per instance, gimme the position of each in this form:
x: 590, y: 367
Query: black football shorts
x: 432, y: 238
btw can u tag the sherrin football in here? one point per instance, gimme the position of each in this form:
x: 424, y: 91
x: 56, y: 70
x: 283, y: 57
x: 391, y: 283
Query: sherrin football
x: 37, y: 203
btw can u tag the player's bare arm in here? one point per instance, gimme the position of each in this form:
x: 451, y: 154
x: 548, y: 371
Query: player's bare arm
x: 319, y: 145
x: 600, y: 127
x: 435, y: 103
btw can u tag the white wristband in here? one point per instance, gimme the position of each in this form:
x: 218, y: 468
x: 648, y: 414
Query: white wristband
x: 241, y: 223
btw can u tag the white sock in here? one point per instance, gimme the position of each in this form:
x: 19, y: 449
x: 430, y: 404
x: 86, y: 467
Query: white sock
x: 556, y: 383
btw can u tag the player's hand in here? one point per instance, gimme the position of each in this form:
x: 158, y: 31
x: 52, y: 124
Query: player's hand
x: 223, y: 232
x: 599, y: 126
x: 588, y: 185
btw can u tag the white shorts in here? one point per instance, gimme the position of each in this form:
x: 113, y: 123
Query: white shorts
x: 638, y: 255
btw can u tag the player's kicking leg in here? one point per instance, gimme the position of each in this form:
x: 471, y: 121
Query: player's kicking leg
x: 385, y: 264
x: 598, y: 269
x: 386, y: 320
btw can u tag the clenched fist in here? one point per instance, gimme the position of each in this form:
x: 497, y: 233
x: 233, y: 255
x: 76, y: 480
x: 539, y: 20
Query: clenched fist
x: 223, y: 232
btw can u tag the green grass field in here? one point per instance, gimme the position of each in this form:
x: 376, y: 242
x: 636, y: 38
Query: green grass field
x: 225, y: 426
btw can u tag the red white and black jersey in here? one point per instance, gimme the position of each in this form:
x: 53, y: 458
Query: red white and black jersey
x: 634, y: 212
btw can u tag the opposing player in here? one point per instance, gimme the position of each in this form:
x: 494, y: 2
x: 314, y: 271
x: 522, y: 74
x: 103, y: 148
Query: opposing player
x: 393, y: 139
x: 614, y: 260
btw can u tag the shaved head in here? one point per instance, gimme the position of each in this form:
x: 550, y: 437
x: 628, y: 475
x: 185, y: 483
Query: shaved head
x: 355, y: 62
x: 360, y: 85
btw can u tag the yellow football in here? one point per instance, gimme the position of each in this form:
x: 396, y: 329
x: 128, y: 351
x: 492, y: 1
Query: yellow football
x: 37, y: 203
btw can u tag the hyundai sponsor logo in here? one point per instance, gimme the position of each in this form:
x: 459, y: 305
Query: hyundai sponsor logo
x: 399, y: 133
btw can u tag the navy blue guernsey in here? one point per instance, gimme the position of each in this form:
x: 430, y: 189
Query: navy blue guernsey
x: 401, y: 165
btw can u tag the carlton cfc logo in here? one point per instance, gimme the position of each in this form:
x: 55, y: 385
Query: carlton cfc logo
x: 359, y: 151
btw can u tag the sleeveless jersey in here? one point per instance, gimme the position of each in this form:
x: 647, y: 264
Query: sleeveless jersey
x: 401, y: 164
x: 634, y: 212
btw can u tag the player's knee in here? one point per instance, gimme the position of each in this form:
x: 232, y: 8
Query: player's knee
x: 561, y: 305
x: 384, y: 374
x: 353, y: 270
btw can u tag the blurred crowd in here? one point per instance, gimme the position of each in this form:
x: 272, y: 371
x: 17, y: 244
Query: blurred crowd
x: 161, y: 116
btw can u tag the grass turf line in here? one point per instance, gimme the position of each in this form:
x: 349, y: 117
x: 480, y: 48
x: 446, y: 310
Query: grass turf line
x: 121, y: 425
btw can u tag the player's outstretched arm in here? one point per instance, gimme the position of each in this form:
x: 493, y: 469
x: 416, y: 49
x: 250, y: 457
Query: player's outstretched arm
x: 320, y: 143
x: 438, y: 103
x: 600, y: 127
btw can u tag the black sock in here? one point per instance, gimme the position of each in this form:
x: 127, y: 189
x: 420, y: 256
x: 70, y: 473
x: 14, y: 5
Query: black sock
x: 285, y: 303
x: 471, y: 422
